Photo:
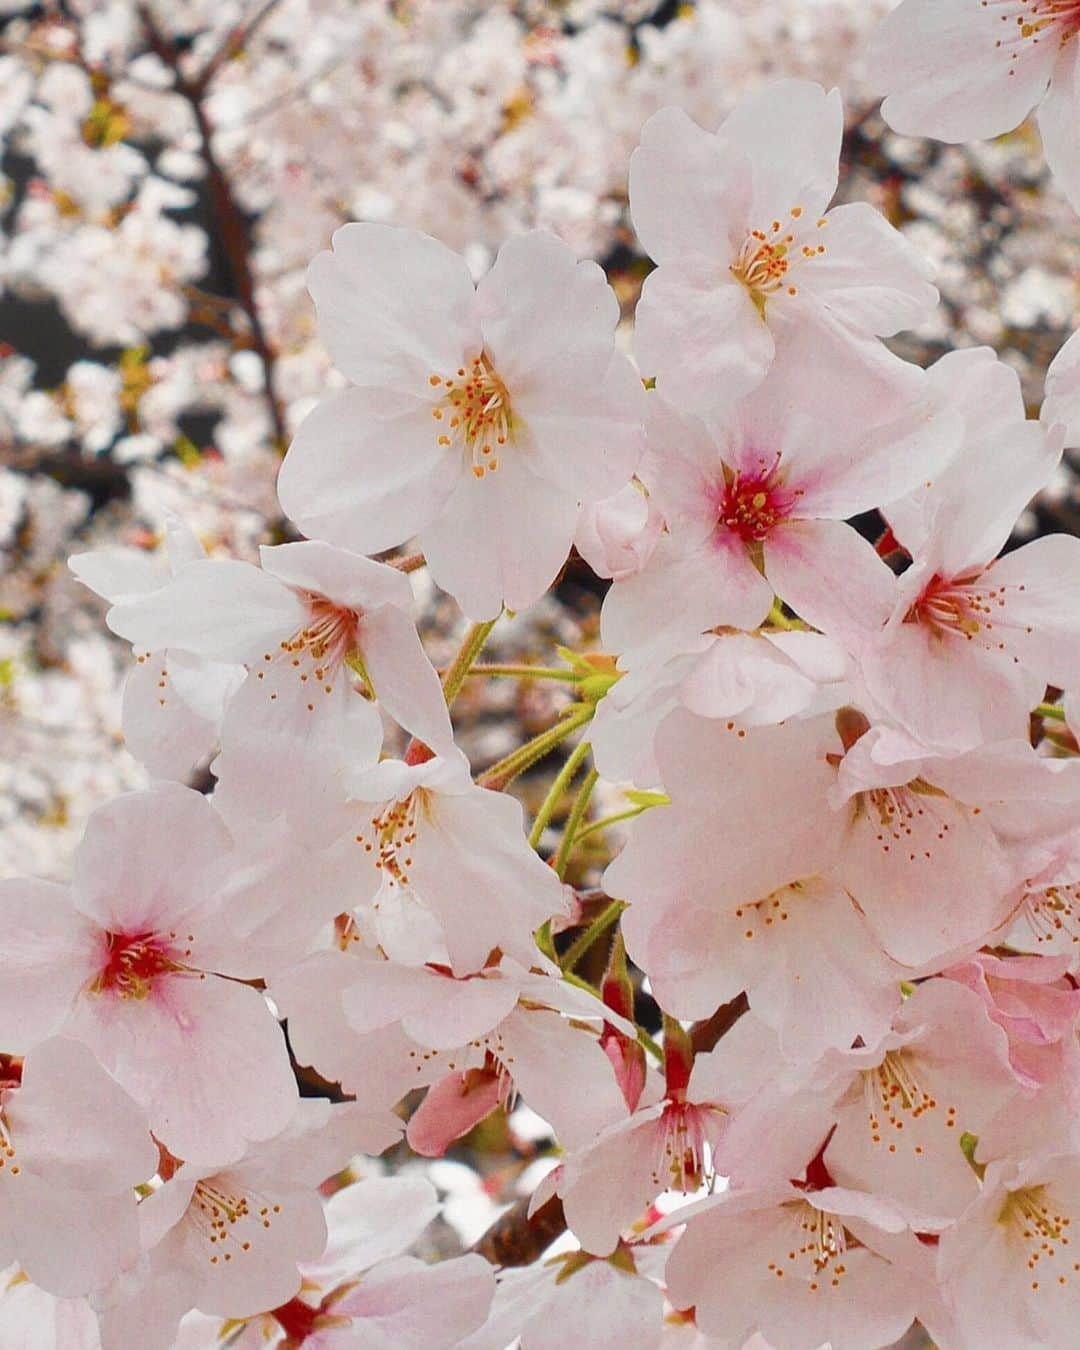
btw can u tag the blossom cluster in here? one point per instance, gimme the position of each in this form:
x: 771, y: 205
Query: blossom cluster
x: 806, y: 1068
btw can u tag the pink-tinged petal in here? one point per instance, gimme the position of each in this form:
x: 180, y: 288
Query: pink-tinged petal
x: 870, y: 275
x: 204, y: 1056
x: 139, y: 865
x: 791, y: 131
x: 68, y: 1242
x: 32, y: 1318
x: 680, y: 596
x: 950, y: 694
x: 376, y: 1067
x: 501, y: 539
x: 699, y: 334
x: 833, y: 354
x: 1038, y: 610
x: 74, y: 1126
x: 364, y: 479
x: 404, y: 680
x: 385, y: 993
x: 1058, y: 120
x: 536, y: 299
x: 163, y: 729
x: 473, y: 868
x: 840, y: 471
x: 679, y: 945
x: 146, y: 1311
x: 563, y: 1074
x: 1062, y: 401
x: 221, y: 609
x: 725, y: 1262
x: 617, y: 536
x: 348, y: 579
x: 608, y: 1186
x: 831, y: 576
x: 395, y: 306
x: 985, y: 394
x: 49, y: 953
x: 689, y: 193
x: 607, y: 1308
x: 948, y: 70
x: 582, y: 418
x: 120, y: 574
x: 374, y: 1219
x: 407, y: 1305
x: 285, y: 745
x: 266, y: 1275
x: 451, y: 1109
x: 722, y: 785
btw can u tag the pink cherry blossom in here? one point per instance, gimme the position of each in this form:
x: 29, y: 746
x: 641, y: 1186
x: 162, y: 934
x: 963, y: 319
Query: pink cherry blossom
x: 752, y: 266
x: 961, y: 72
x: 478, y: 418
x: 446, y: 869
x: 755, y: 503
x: 72, y: 1146
x: 969, y: 641
x: 798, y: 1266
x: 942, y: 1071
x: 134, y: 960
x: 229, y: 1241
x: 323, y: 633
x: 616, y: 536
x: 608, y: 1185
x: 1008, y: 1269
x: 1036, y: 1005
x: 173, y: 700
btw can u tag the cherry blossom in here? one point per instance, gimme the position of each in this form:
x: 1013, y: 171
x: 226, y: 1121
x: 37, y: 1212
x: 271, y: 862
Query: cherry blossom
x: 752, y: 265
x: 74, y: 1144
x: 133, y: 960
x: 798, y: 1266
x: 1007, y: 1268
x: 304, y: 624
x: 472, y: 420
x: 969, y: 641
x: 755, y: 502
x: 961, y: 72
x: 173, y: 700
x: 229, y: 1241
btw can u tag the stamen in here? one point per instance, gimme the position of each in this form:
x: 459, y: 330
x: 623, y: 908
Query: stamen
x: 474, y: 413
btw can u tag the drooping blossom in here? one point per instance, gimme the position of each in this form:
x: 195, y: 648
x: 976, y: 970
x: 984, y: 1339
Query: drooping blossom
x: 752, y: 265
x: 479, y: 418
x: 962, y: 72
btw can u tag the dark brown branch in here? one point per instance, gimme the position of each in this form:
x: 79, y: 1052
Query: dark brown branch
x: 237, y: 39
x: 232, y: 229
x: 707, y: 1034
x: 516, y: 1240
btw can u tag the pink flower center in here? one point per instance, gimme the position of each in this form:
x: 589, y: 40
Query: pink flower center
x: 765, y: 260
x: 683, y: 1160
x: 473, y: 412
x: 967, y: 607
x: 388, y: 836
x: 895, y: 1098
x: 134, y: 961
x: 227, y: 1217
x: 751, y: 504
x: 1054, y: 914
x: 809, y: 1248
x: 1039, y: 1225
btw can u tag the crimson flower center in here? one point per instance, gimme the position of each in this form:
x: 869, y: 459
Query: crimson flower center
x: 1033, y: 21
x: 133, y: 961
x: 752, y: 504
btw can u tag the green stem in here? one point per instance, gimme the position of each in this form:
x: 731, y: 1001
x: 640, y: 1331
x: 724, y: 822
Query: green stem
x: 573, y: 823
x: 1052, y: 711
x: 503, y: 773
x: 599, y: 925
x: 524, y: 672
x: 597, y: 825
x: 471, y: 648
x: 555, y: 792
